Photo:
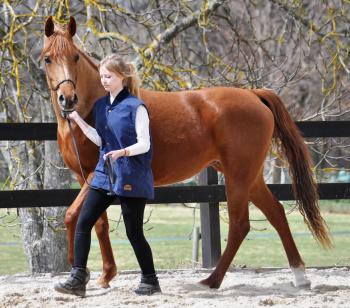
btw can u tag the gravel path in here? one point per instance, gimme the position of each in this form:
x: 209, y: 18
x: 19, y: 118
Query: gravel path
x: 240, y: 288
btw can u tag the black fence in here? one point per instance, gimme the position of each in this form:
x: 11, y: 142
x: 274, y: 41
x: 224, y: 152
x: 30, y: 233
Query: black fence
x: 180, y: 194
x: 208, y: 193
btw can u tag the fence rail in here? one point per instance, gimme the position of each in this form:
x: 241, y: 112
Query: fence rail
x: 168, y: 194
x: 48, y: 131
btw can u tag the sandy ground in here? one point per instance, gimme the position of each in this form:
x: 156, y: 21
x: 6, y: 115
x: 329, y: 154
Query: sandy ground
x: 241, y: 288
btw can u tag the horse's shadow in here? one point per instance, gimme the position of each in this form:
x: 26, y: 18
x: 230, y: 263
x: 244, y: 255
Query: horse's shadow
x: 280, y: 289
x: 96, y: 291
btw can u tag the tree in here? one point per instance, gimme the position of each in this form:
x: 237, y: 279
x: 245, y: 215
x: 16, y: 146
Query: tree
x: 298, y: 48
x: 32, y: 165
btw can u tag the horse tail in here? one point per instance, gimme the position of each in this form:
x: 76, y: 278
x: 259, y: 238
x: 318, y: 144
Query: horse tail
x: 292, y: 146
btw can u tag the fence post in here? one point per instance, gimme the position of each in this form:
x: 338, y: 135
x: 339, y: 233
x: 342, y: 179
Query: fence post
x: 210, y: 222
x: 195, y: 245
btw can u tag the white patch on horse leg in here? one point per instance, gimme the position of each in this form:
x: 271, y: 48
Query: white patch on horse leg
x: 301, y: 280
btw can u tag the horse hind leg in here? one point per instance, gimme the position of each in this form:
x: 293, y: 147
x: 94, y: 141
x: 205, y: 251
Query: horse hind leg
x: 237, y: 206
x: 263, y: 199
x: 240, y: 163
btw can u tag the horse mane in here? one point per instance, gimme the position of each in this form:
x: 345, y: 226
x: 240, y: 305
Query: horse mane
x: 58, y: 45
x: 87, y: 58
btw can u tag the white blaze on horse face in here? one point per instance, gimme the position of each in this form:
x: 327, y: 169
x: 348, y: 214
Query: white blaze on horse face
x: 64, y: 77
x: 64, y: 74
x: 301, y: 280
x: 66, y: 71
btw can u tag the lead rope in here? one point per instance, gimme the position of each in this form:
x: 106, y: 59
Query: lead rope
x: 108, y: 163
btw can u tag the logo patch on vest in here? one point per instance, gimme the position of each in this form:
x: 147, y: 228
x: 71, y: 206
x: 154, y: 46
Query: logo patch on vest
x: 127, y: 187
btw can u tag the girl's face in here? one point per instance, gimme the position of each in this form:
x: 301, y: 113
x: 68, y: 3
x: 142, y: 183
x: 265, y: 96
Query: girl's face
x: 111, y: 81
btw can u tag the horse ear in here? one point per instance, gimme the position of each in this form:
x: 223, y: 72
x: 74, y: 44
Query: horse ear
x: 49, y: 27
x: 72, y: 26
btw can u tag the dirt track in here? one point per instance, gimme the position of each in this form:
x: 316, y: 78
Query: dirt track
x: 241, y: 288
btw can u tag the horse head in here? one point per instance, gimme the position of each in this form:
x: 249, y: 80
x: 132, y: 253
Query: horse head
x: 61, y: 59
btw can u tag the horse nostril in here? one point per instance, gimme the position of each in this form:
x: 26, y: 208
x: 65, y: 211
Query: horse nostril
x: 75, y: 99
x: 61, y: 98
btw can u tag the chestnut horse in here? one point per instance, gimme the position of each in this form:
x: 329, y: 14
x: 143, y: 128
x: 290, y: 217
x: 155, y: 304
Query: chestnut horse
x: 231, y: 129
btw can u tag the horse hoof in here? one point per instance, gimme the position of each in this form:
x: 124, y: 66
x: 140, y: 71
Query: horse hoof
x: 104, y: 280
x: 303, y: 285
x: 301, y: 281
x: 209, y: 283
x: 103, y: 284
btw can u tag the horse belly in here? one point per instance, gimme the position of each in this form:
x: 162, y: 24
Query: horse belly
x: 181, y: 136
x: 180, y: 161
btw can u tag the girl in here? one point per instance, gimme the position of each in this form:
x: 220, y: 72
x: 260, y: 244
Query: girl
x: 122, y: 133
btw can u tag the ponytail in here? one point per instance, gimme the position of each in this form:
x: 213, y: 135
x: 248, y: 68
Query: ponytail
x: 132, y: 81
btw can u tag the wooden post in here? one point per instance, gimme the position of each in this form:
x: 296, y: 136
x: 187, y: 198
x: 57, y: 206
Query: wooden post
x: 195, y: 245
x: 210, y: 222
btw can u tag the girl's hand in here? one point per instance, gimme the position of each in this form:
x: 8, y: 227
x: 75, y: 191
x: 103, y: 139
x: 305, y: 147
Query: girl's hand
x: 114, y: 154
x: 73, y: 115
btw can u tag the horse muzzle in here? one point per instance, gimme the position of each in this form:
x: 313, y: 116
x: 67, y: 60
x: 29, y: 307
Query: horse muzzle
x: 67, y: 104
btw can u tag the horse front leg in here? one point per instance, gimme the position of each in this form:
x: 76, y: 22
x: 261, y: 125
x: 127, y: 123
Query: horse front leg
x: 109, y: 266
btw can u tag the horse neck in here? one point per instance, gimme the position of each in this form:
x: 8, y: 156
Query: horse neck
x: 89, y: 87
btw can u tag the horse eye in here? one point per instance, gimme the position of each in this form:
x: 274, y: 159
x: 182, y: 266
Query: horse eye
x: 76, y: 58
x: 47, y: 60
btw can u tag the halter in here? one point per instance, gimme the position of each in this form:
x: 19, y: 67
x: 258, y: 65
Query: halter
x: 64, y: 112
x: 63, y: 81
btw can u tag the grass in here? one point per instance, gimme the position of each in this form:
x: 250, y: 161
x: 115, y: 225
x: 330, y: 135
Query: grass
x: 169, y: 229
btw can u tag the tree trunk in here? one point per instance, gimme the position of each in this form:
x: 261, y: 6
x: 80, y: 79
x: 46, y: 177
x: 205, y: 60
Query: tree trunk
x: 56, y: 175
x: 54, y: 233
x: 23, y: 175
x: 43, y: 232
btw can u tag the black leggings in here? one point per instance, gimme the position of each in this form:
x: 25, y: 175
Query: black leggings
x: 97, y: 201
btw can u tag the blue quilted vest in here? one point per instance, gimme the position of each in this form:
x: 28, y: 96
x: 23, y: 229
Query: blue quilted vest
x: 115, y: 123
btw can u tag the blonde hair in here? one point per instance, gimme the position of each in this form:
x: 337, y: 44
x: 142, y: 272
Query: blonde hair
x: 116, y: 64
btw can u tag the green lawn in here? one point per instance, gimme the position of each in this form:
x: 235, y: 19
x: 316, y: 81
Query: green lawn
x: 168, y: 231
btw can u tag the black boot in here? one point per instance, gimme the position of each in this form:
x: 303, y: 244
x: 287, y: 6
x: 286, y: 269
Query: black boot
x: 149, y: 284
x: 76, y: 283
